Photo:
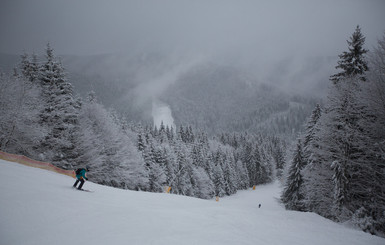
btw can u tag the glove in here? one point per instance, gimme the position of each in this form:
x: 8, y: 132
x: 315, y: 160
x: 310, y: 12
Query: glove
x: 86, y: 178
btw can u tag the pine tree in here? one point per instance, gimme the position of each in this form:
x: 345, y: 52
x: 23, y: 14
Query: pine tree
x: 218, y: 180
x: 229, y: 174
x: 60, y: 114
x: 340, y: 181
x: 203, y: 186
x: 258, y: 166
x: 341, y: 138
x: 353, y: 62
x: 292, y: 195
x: 369, y: 163
x: 247, y: 159
x: 334, y: 136
x: 181, y: 182
x: 310, y: 126
x: 141, y: 145
x: 29, y: 68
x: 279, y: 160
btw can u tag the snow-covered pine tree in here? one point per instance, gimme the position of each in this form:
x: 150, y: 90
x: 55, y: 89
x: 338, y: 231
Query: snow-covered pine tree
x: 243, y: 177
x: 355, y: 139
x: 247, y: 159
x: 317, y: 175
x: 372, y: 95
x: 311, y: 140
x: 60, y: 113
x: 336, y: 139
x: 353, y: 62
x: 155, y: 166
x: 279, y: 158
x: 336, y: 135
x: 203, y: 186
x: 267, y: 173
x: 181, y: 182
x: 340, y: 181
x: 162, y: 138
x: 141, y: 142
x: 258, y: 178
x: 29, y: 68
x: 341, y: 153
x: 293, y: 195
x: 229, y: 174
x: 310, y: 125
x: 218, y: 181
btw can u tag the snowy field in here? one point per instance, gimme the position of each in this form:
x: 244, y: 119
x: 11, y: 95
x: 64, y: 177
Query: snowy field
x: 40, y: 207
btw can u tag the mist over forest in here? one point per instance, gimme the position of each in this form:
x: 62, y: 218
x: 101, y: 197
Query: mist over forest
x: 205, y: 98
x: 216, y: 93
x: 132, y: 53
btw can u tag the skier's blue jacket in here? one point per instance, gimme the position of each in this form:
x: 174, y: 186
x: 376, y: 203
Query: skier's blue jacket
x: 82, y: 174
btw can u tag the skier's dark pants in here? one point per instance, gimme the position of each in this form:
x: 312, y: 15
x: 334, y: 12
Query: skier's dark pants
x: 81, y: 183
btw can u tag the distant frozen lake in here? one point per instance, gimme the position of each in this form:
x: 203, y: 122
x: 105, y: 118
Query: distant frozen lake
x: 161, y: 112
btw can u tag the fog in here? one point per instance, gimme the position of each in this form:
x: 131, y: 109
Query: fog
x: 272, y: 39
x: 256, y: 28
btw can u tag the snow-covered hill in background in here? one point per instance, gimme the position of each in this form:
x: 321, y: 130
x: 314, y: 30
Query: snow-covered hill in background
x: 217, y: 94
x: 40, y: 207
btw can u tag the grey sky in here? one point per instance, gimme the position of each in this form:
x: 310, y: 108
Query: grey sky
x: 267, y: 28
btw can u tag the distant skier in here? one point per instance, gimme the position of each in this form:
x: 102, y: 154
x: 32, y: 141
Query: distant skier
x: 259, y: 206
x: 80, y: 176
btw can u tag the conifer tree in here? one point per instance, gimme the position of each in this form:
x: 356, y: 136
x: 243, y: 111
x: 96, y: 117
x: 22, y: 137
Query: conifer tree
x: 29, y: 68
x: 353, y: 62
x: 292, y: 195
x: 181, y: 182
x: 141, y: 145
x: 218, y: 180
x: 229, y: 175
x: 203, y: 186
x: 60, y: 113
x: 340, y: 181
x: 310, y: 126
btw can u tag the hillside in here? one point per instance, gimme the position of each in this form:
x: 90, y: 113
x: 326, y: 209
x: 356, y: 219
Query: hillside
x: 228, y: 99
x: 218, y: 94
x: 40, y: 207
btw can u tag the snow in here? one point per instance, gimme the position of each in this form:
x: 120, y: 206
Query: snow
x: 40, y: 207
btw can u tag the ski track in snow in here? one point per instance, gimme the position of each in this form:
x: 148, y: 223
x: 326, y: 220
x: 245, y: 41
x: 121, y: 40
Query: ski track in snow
x: 40, y: 207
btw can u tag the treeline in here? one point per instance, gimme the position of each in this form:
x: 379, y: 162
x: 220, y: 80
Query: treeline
x: 41, y: 117
x: 194, y: 165
x: 338, y: 165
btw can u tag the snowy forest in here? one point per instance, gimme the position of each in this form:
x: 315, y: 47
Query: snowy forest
x: 45, y: 120
x: 338, y: 164
x: 336, y: 169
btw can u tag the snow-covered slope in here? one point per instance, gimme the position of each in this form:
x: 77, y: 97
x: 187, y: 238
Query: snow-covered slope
x: 40, y: 207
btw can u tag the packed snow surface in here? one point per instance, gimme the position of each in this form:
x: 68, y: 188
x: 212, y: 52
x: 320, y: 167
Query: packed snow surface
x: 40, y: 207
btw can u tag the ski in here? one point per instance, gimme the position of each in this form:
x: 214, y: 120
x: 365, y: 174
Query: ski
x: 84, y: 190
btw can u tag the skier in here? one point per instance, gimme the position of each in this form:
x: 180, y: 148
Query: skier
x: 80, y: 176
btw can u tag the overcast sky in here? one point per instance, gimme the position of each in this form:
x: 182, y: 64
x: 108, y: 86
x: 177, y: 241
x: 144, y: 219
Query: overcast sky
x: 261, y: 27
